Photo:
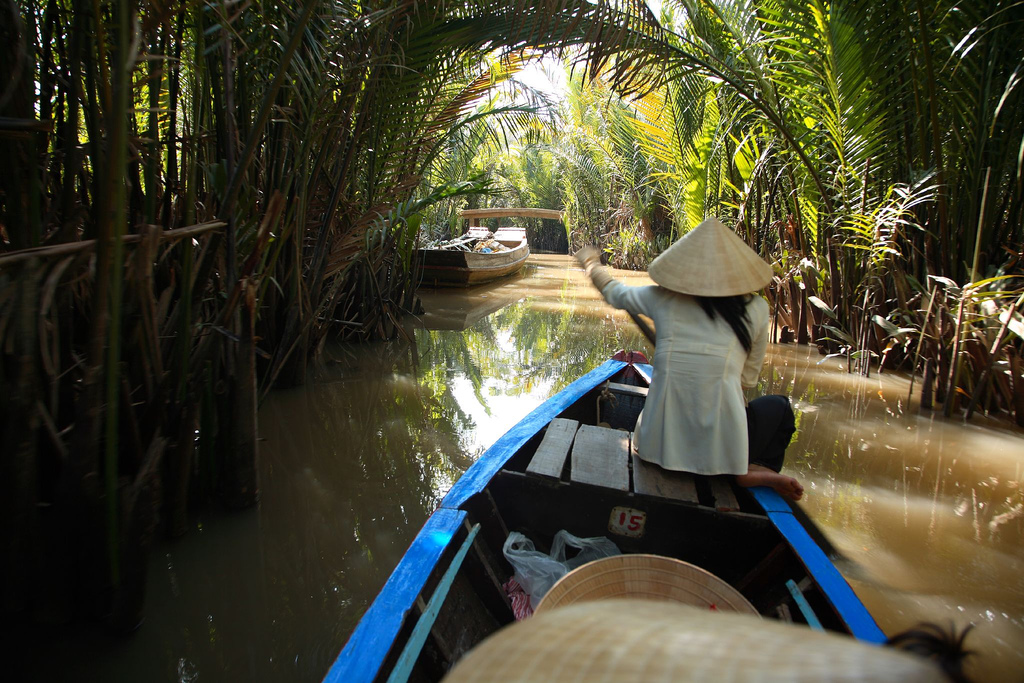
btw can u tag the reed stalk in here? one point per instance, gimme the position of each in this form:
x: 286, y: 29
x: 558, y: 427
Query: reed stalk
x: 922, y: 335
x: 993, y: 356
x: 952, y: 381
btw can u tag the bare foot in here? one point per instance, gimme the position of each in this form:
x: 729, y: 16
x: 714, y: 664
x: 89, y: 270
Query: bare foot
x: 756, y: 475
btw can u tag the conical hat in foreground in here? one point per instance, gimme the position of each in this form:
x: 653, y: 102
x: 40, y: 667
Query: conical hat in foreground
x: 634, y: 641
x: 710, y: 260
x: 650, y: 577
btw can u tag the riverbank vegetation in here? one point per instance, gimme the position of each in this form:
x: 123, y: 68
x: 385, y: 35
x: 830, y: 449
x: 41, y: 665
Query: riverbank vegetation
x: 197, y: 195
x: 870, y: 151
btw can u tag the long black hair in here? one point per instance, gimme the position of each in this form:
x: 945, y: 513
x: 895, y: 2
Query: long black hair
x: 945, y: 646
x: 733, y: 310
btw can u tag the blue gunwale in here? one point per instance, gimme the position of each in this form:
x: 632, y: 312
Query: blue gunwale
x: 411, y: 651
x: 368, y: 646
x: 484, y: 469
x: 852, y: 611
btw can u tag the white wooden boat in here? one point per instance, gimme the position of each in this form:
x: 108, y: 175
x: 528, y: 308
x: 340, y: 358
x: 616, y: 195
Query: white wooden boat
x: 461, y: 267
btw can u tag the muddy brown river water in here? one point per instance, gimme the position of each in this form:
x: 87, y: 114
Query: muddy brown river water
x: 928, y: 513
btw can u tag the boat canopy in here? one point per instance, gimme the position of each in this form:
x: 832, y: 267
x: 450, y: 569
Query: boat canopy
x: 474, y: 215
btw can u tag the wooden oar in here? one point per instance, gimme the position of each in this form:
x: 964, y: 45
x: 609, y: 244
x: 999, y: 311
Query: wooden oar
x: 644, y: 327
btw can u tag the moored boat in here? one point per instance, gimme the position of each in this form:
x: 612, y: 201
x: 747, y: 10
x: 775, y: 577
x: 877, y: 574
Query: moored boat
x: 461, y: 264
x: 568, y: 466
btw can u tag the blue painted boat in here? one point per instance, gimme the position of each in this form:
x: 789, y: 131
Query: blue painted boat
x: 446, y: 593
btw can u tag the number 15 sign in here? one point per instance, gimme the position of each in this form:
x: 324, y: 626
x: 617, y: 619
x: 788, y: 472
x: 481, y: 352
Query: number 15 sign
x: 627, y: 522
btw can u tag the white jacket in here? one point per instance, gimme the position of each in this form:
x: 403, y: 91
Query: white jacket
x: 695, y: 419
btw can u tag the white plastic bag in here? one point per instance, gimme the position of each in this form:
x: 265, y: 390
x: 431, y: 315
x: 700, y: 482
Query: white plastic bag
x: 537, y: 572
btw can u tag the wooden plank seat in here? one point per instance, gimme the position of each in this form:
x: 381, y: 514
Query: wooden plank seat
x: 600, y: 456
x: 549, y: 459
x: 725, y: 498
x: 651, y: 480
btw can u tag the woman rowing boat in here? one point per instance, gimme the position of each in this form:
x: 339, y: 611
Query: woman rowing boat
x: 712, y: 333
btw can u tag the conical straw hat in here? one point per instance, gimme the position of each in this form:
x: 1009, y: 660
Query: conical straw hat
x: 650, y: 577
x: 710, y: 260
x: 633, y: 641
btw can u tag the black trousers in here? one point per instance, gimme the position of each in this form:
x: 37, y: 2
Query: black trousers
x: 770, y: 427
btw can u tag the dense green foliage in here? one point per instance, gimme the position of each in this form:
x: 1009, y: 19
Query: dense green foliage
x: 196, y: 195
x: 872, y: 151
